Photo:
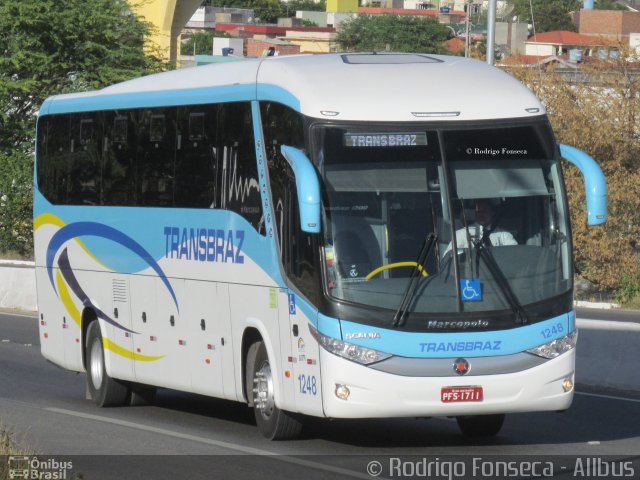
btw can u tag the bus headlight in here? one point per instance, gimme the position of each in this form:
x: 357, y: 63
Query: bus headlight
x: 355, y: 353
x: 556, y: 347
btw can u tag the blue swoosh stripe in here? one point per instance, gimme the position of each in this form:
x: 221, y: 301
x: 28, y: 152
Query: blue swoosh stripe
x: 80, y: 229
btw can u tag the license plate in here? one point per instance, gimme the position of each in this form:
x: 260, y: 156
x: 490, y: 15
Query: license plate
x: 461, y: 394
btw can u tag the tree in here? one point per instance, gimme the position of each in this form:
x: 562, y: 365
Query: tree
x: 266, y: 11
x: 306, y: 5
x: 201, y: 43
x: 399, y: 33
x: 50, y: 47
x: 602, y: 117
x: 608, y: 5
x: 548, y: 15
x: 550, y: 18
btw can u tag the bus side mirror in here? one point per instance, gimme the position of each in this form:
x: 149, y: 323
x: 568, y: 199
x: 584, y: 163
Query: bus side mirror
x: 594, y: 183
x: 308, y: 188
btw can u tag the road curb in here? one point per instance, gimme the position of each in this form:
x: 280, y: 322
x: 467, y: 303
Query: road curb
x: 18, y: 285
x: 596, y: 305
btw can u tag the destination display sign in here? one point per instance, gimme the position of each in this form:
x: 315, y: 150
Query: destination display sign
x: 396, y: 139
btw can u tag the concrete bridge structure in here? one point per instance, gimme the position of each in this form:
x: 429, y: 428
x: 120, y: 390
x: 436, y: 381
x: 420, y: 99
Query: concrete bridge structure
x: 168, y: 17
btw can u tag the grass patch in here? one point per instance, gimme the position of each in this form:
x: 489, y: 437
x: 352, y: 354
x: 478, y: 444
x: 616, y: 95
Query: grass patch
x: 11, y: 255
x: 632, y: 304
x: 9, y: 446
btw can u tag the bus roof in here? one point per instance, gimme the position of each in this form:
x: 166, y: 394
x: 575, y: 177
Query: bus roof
x: 347, y: 86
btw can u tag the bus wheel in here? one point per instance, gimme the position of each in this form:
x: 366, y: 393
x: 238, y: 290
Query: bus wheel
x: 141, y: 395
x: 104, y: 390
x: 481, y: 425
x: 273, y: 423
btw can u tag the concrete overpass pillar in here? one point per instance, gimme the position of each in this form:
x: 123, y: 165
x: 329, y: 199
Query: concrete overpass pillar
x: 168, y: 17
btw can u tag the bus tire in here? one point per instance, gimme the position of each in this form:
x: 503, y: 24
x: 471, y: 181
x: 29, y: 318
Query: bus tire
x: 273, y: 423
x: 481, y: 425
x: 104, y: 390
x: 141, y: 395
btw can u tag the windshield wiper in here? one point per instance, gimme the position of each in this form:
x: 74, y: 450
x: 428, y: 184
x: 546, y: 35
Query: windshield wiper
x: 400, y: 317
x: 503, y: 283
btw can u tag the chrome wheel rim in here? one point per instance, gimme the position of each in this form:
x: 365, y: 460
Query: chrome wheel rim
x: 96, y: 366
x: 263, y: 391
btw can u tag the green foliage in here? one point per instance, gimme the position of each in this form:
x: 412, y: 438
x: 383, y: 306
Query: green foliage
x: 50, y: 47
x: 608, y: 5
x: 548, y: 15
x: 602, y: 118
x: 16, y: 198
x: 266, y: 11
x: 201, y: 43
x: 398, y: 33
x: 629, y: 290
x: 307, y: 5
x: 551, y: 15
x: 550, y: 18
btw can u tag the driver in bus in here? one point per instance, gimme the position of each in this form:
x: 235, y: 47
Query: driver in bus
x: 484, y: 229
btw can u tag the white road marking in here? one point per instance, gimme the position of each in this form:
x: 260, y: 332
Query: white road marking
x: 611, y: 397
x: 608, y: 325
x: 33, y: 316
x: 218, y: 443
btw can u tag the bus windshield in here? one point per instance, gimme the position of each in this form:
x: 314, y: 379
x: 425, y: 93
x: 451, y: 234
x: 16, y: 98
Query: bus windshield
x: 491, y: 196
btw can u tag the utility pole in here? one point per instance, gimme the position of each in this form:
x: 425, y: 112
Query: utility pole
x: 467, y: 35
x: 491, y: 31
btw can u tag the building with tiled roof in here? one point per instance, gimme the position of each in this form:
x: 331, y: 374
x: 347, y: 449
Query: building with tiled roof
x: 562, y: 42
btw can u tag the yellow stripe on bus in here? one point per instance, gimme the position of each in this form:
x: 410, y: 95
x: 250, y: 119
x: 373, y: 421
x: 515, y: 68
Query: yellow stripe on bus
x: 123, y: 352
x: 47, y: 219
x: 66, y: 299
x: 51, y: 219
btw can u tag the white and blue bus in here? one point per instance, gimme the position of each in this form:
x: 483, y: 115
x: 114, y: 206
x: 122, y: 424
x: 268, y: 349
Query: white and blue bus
x: 341, y: 236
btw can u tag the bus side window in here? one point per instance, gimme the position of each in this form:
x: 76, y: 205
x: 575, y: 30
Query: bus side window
x: 280, y: 126
x: 84, y: 172
x: 196, y: 157
x: 298, y: 250
x: 155, y: 158
x: 42, y: 160
x: 53, y: 163
x: 238, y: 177
x: 118, y: 175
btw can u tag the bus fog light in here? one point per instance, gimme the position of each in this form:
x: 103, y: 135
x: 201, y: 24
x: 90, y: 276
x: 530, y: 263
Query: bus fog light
x: 342, y: 392
x: 567, y: 385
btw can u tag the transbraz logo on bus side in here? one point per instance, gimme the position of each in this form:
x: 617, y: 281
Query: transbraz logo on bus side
x: 459, y: 324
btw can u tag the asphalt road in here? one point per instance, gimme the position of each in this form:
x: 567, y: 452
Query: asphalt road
x: 189, y: 436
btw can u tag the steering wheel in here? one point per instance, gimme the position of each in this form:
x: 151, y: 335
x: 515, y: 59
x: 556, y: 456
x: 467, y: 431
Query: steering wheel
x: 376, y: 271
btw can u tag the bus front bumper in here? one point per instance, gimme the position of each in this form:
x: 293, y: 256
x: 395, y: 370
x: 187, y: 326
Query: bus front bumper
x: 375, y: 394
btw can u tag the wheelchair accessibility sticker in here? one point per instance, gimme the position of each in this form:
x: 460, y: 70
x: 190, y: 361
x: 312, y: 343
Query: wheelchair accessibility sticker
x: 470, y: 290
